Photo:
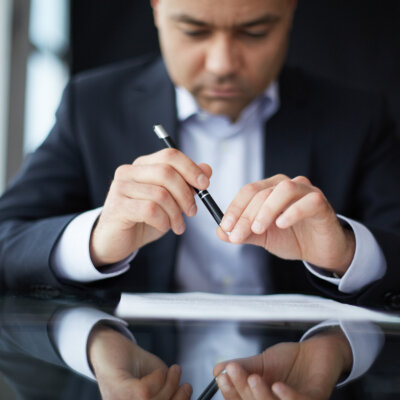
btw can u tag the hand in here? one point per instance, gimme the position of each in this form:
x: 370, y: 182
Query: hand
x: 145, y: 200
x: 288, y: 371
x: 292, y: 219
x: 126, y: 371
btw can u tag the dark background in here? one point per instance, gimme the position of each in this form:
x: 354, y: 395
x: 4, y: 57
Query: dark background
x: 355, y: 41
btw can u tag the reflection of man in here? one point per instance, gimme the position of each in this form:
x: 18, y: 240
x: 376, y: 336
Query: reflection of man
x: 229, y: 109
x: 31, y: 340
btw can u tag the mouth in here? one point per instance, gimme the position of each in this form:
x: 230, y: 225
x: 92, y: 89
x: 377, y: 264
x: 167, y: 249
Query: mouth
x: 222, y: 93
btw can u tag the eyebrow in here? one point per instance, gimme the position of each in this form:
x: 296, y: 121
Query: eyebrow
x: 266, y: 19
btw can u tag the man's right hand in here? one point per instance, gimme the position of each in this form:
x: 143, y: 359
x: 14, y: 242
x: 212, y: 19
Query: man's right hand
x: 146, y: 199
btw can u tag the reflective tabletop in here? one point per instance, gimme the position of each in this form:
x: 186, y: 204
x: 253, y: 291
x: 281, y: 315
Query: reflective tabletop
x: 69, y: 348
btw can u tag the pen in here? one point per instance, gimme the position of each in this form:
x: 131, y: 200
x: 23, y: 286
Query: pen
x: 204, y: 196
x: 210, y: 390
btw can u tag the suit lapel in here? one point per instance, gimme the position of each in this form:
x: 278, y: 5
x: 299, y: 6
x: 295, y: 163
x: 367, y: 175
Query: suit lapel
x: 151, y: 102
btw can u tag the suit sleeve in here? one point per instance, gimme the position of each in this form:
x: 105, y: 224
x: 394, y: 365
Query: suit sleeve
x: 48, y: 193
x: 376, y: 204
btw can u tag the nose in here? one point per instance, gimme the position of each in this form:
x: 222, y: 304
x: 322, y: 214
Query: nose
x: 222, y: 58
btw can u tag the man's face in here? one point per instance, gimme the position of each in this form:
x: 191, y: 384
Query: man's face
x: 225, y: 52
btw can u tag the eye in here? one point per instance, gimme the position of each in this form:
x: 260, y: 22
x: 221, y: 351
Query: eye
x: 255, y: 34
x: 196, y: 33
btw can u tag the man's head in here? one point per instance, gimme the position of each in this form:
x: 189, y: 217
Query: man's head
x: 225, y: 52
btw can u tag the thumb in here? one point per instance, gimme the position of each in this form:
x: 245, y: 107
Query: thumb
x: 206, y: 169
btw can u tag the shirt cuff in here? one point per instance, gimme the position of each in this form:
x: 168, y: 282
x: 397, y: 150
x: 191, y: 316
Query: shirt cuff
x: 368, y: 265
x: 70, y: 331
x: 70, y: 258
x: 365, y: 339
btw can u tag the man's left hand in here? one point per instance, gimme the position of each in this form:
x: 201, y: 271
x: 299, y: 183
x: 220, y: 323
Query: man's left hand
x: 291, y: 219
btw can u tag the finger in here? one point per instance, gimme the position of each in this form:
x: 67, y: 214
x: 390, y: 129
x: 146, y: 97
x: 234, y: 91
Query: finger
x: 311, y: 205
x: 238, y: 377
x: 206, y: 169
x: 243, y: 198
x: 259, y: 388
x: 158, y: 195
x: 184, y: 392
x: 165, y: 176
x: 284, y: 392
x: 283, y: 195
x: 243, y: 228
x: 171, y: 383
x: 219, y: 368
x: 148, y: 212
x: 226, y: 387
x: 150, y: 385
x: 186, y: 167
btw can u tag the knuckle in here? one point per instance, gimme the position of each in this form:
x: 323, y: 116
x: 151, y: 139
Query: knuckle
x: 287, y: 185
x: 139, y: 160
x: 161, y: 195
x: 169, y: 154
x: 302, y: 179
x: 166, y: 172
x: 250, y: 189
x: 281, y: 177
x: 122, y: 171
x: 150, y: 209
x: 317, y: 199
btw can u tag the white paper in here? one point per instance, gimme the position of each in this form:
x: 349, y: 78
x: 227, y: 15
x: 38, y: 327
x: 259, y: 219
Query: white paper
x: 207, y: 306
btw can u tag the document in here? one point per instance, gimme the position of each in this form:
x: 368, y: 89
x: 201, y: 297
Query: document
x: 276, y: 307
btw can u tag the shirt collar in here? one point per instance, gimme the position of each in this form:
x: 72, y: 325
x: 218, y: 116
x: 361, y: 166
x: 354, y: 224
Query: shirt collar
x: 187, y: 106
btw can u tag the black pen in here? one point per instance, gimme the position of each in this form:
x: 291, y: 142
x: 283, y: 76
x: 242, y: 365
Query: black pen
x: 204, y: 196
x: 211, y: 389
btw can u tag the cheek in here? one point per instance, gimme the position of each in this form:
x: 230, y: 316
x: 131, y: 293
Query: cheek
x: 184, y: 63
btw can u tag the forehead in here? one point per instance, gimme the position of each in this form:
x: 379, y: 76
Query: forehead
x: 224, y: 12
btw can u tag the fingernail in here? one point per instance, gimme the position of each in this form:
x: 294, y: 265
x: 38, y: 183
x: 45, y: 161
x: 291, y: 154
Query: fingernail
x: 256, y: 227
x: 227, y: 223
x: 192, y: 211
x: 252, y: 381
x: 202, y: 180
x: 223, y: 382
x: 235, y: 236
x: 181, y: 229
x: 278, y: 389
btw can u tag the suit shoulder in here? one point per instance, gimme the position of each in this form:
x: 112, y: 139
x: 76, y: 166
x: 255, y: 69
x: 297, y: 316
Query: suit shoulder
x: 115, y: 76
x: 307, y: 85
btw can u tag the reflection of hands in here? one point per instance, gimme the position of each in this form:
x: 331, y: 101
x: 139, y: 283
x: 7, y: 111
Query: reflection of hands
x: 307, y: 370
x: 292, y: 219
x: 126, y: 371
x: 145, y: 200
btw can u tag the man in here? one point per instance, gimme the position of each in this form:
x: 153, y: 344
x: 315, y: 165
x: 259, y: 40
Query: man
x: 224, y: 62
x: 289, y: 153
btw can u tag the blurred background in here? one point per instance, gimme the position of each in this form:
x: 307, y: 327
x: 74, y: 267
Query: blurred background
x: 44, y: 42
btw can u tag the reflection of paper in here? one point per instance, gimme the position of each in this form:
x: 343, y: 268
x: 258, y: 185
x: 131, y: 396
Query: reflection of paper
x: 207, y: 306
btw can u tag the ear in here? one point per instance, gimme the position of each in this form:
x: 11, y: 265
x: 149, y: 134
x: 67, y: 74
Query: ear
x: 154, y: 5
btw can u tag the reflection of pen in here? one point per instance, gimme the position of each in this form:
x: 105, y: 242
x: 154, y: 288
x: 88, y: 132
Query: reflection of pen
x: 211, y: 389
x: 204, y: 196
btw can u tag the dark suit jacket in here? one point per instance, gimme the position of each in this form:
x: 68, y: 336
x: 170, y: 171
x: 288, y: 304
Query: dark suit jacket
x: 340, y: 138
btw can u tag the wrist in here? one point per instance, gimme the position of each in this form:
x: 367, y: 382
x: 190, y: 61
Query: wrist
x: 348, y: 253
